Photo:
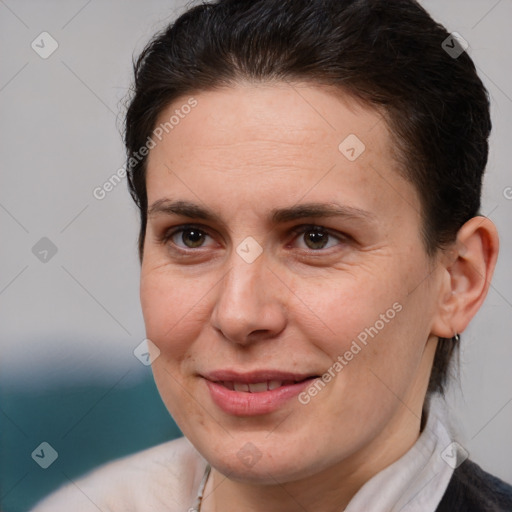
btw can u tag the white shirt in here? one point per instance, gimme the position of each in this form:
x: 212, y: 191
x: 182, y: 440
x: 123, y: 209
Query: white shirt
x: 168, y: 478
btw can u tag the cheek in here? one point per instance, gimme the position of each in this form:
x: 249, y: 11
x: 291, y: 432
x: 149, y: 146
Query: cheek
x: 369, y: 320
x: 172, y: 308
x: 344, y: 308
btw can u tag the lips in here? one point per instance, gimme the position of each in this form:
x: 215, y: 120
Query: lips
x: 254, y: 393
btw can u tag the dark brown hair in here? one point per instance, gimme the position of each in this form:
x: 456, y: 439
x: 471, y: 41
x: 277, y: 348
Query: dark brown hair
x: 390, y: 54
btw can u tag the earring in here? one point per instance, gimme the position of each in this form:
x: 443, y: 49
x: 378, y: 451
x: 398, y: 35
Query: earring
x: 456, y: 338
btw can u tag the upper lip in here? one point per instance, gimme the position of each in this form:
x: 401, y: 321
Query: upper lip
x: 254, y: 376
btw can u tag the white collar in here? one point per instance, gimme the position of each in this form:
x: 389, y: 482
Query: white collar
x: 417, y: 481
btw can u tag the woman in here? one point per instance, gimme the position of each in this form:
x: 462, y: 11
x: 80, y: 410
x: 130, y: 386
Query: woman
x: 308, y: 174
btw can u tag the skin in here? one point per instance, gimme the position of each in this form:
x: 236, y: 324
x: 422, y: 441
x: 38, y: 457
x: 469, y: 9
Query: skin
x: 241, y: 153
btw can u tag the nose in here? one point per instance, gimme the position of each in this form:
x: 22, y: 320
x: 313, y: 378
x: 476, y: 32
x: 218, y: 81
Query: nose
x: 249, y: 305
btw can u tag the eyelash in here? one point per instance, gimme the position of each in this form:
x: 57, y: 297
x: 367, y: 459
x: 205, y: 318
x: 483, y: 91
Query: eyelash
x: 299, y: 230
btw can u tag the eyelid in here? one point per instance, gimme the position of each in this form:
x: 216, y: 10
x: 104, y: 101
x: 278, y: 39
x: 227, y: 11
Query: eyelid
x: 305, y: 227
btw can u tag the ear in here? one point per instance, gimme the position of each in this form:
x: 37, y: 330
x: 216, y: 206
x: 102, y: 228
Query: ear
x: 467, y: 271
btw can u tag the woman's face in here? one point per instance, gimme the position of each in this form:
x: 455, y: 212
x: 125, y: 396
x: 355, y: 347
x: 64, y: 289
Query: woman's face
x: 279, y: 249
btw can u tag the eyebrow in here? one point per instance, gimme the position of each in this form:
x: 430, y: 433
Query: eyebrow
x: 277, y: 215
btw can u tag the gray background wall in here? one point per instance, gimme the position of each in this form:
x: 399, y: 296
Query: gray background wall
x: 69, y: 324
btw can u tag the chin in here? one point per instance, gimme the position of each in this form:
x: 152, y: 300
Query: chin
x: 261, y: 462
x: 263, y: 472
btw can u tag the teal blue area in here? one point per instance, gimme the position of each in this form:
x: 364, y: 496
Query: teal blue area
x: 87, y: 425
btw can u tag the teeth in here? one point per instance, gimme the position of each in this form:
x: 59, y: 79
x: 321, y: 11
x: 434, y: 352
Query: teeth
x: 258, y: 387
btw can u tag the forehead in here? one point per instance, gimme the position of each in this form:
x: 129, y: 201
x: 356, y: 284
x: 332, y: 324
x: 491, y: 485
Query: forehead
x: 297, y: 115
x: 278, y: 140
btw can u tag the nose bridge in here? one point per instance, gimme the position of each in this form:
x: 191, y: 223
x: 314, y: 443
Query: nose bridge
x: 245, y: 301
x: 242, y: 286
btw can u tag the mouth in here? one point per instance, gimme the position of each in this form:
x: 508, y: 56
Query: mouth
x: 255, y: 393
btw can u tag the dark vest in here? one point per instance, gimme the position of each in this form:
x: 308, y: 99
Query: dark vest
x: 471, y: 489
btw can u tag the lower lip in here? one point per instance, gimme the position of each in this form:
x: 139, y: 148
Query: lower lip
x: 241, y: 403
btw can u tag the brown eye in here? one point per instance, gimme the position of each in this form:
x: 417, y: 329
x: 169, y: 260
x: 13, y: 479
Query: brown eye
x: 188, y: 237
x: 316, y: 239
x: 192, y: 237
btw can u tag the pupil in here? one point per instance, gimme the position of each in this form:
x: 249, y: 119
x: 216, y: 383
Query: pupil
x: 317, y: 239
x: 193, y: 236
